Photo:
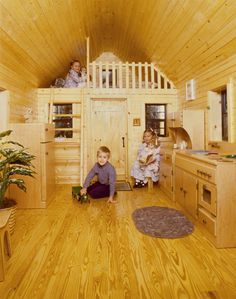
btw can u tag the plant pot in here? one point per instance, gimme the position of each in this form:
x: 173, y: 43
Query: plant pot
x: 12, y: 219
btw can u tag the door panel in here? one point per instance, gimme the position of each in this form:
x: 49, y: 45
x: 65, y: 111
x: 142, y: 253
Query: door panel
x: 178, y: 191
x: 190, y: 193
x: 110, y: 129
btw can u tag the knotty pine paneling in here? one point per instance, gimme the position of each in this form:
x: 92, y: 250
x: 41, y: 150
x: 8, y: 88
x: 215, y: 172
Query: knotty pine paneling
x: 135, y: 109
x: 39, y: 38
x: 21, y: 94
x: 185, y: 39
x: 210, y: 79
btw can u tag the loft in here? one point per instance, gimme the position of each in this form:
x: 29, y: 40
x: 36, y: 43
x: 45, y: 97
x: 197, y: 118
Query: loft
x: 121, y: 76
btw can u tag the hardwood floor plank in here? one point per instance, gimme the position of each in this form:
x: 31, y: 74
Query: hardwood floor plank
x: 73, y: 250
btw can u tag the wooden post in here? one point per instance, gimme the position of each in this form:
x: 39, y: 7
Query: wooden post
x: 88, y: 73
x: 51, y: 104
x: 230, y: 96
x: 82, y: 136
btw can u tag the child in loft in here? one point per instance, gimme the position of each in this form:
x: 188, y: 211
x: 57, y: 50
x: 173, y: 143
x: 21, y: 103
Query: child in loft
x: 73, y: 76
x: 83, y: 77
x: 147, y: 163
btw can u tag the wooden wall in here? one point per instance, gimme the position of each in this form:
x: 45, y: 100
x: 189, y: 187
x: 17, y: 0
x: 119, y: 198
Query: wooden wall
x: 21, y: 93
x: 207, y: 79
x: 41, y: 37
x: 73, y: 155
x: 186, y: 39
x: 135, y: 109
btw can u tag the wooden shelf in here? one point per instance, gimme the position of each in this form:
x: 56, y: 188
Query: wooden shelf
x: 67, y: 115
x: 67, y: 129
x: 66, y: 143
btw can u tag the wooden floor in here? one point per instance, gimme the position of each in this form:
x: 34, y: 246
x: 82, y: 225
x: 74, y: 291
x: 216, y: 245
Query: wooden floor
x: 94, y: 251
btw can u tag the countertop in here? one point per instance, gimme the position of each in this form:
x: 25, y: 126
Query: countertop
x: 206, y: 156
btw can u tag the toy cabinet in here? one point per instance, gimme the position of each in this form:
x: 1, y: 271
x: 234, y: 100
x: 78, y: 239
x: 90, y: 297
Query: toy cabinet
x: 205, y: 187
x: 186, y: 131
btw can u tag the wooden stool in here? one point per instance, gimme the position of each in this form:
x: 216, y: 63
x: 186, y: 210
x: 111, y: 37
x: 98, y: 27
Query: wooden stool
x: 5, y: 242
x: 150, y: 183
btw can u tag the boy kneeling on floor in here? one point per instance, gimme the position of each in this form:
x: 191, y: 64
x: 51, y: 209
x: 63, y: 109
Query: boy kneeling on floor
x: 106, y: 177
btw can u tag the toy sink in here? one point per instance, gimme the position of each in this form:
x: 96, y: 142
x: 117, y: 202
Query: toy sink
x: 231, y: 156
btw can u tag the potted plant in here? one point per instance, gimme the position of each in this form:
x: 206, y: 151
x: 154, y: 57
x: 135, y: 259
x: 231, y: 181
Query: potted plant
x: 15, y: 161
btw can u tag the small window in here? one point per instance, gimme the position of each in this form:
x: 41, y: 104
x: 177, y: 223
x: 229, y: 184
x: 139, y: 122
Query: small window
x: 155, y: 115
x: 224, y: 115
x: 218, y: 115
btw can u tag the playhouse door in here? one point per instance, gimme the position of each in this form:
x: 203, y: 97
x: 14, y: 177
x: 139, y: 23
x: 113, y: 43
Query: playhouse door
x: 109, y: 128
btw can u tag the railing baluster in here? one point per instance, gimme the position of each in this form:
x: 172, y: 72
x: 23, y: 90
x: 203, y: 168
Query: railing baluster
x: 94, y: 79
x: 127, y: 74
x: 120, y: 75
x: 152, y: 76
x: 139, y: 75
x: 100, y: 75
x: 146, y: 75
x: 133, y: 75
x: 113, y: 75
x: 165, y: 82
x: 158, y: 80
x: 107, y: 76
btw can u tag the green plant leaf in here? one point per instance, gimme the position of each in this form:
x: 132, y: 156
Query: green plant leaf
x: 14, y: 160
x: 19, y: 182
x: 12, y: 142
x: 5, y: 133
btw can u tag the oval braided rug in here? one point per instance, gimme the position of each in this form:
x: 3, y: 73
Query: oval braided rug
x: 162, y: 222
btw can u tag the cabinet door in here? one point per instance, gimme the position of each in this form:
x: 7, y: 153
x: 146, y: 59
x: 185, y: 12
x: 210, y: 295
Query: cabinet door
x: 190, y: 193
x: 165, y: 179
x: 169, y: 178
x: 178, y: 186
x: 162, y: 172
x: 186, y: 191
x: 207, y: 196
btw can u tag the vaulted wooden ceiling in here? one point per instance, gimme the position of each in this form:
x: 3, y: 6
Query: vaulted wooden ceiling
x: 40, y: 37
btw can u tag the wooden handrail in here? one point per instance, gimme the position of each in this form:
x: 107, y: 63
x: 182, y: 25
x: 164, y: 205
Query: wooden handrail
x: 127, y: 75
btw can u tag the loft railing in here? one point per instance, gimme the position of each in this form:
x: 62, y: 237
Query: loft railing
x: 127, y: 76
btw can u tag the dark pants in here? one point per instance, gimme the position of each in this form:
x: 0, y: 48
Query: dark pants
x: 98, y: 190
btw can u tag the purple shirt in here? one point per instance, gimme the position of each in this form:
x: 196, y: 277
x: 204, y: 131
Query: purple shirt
x: 106, y: 175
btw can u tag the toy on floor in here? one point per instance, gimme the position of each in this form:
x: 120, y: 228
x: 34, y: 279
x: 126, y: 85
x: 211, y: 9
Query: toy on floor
x: 76, y: 195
